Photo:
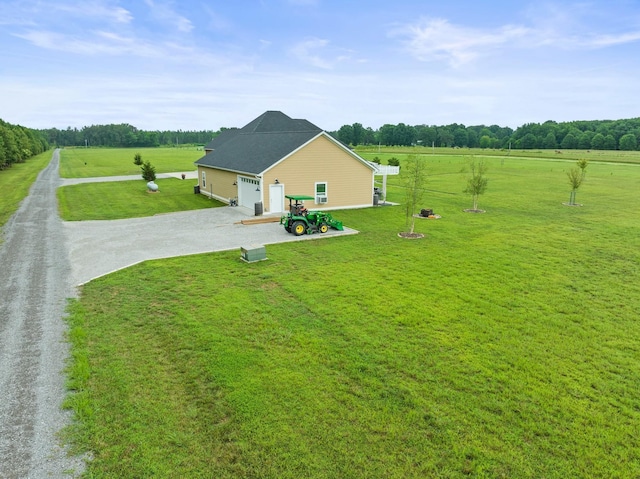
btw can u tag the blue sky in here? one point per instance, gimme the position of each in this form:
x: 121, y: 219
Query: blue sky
x: 193, y: 65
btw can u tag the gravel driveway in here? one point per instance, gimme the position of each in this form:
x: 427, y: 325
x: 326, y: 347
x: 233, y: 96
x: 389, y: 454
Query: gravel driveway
x: 42, y: 259
x: 34, y: 274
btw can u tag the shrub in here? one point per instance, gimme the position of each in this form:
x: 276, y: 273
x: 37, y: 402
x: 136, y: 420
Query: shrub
x: 148, y: 171
x: 394, y: 161
x: 137, y: 159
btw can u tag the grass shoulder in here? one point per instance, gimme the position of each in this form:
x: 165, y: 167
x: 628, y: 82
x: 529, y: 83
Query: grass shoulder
x: 16, y: 181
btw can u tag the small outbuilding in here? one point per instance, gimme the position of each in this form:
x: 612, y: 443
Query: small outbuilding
x: 275, y: 155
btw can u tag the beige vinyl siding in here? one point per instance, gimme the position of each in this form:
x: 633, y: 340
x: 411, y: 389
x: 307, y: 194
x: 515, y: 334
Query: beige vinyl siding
x: 219, y: 183
x: 349, y: 181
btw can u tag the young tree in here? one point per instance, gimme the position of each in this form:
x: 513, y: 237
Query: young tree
x: 414, y: 179
x: 477, y: 183
x: 137, y: 159
x: 148, y: 171
x: 575, y: 180
x: 582, y: 164
x: 576, y: 177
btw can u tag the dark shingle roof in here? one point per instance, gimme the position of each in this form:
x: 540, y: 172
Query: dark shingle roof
x: 259, y: 144
x: 221, y: 138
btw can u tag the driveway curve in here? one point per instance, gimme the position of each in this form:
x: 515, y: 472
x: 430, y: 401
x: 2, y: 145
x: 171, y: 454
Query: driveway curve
x: 42, y: 260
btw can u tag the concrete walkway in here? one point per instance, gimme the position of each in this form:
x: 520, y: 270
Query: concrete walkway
x: 189, y: 175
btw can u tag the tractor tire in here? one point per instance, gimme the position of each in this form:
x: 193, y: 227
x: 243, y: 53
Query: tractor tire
x: 298, y: 228
x: 323, y: 228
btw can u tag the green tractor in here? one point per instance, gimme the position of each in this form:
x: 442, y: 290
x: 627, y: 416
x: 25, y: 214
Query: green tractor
x: 299, y: 220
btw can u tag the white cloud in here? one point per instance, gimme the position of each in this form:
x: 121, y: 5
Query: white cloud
x: 306, y: 52
x: 95, y: 9
x: 165, y: 13
x: 30, y: 12
x: 438, y: 39
x: 97, y: 43
x: 611, y: 40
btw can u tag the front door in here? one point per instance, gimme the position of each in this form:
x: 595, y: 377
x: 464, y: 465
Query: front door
x: 276, y: 198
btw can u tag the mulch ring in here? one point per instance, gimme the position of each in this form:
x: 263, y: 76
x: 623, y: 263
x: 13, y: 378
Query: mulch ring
x: 430, y: 217
x: 407, y: 235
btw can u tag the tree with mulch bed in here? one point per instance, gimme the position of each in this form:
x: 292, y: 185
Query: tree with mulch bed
x: 415, y: 179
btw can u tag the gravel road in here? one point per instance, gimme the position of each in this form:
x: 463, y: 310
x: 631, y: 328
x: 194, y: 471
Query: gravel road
x: 34, y: 285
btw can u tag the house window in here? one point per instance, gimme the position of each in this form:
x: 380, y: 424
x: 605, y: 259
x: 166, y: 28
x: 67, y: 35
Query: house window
x: 321, y: 192
x: 204, y: 180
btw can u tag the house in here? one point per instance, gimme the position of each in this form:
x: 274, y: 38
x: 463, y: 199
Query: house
x: 276, y: 155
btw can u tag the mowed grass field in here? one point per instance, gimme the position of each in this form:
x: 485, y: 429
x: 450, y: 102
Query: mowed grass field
x: 93, y: 162
x: 127, y: 199
x: 503, y: 344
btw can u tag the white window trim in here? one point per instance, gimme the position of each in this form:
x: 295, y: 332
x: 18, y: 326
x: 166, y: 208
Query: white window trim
x: 204, y: 179
x: 321, y: 198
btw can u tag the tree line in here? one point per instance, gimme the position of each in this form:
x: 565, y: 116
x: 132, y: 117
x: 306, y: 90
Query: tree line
x: 18, y: 144
x: 584, y: 135
x: 124, y: 136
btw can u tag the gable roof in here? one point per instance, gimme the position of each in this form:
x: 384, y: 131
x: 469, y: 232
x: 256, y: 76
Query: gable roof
x: 259, y: 144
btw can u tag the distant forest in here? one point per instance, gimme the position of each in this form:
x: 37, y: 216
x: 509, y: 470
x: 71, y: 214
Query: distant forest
x: 583, y: 135
x: 124, y: 136
x: 18, y: 143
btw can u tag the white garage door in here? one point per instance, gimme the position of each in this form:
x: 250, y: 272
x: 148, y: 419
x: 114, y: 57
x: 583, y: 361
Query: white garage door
x: 247, y: 194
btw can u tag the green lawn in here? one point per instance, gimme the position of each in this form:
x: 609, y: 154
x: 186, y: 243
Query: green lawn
x: 92, y: 162
x: 128, y: 199
x: 16, y: 181
x: 503, y: 344
x: 383, y: 153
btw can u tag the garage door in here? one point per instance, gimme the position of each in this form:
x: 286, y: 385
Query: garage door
x: 247, y: 194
